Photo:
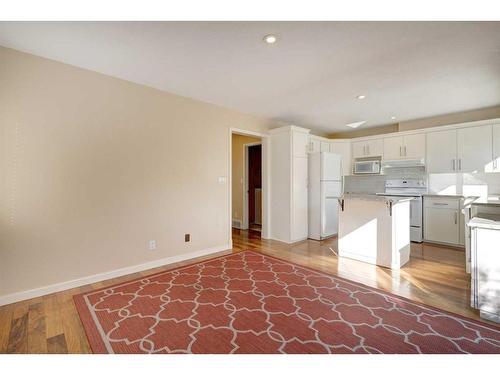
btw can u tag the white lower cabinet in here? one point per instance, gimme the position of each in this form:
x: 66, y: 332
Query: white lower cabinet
x: 442, y: 220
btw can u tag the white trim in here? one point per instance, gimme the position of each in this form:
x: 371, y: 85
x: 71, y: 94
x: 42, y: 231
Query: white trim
x: 289, y: 128
x: 53, y: 288
x: 245, y: 222
x: 236, y: 223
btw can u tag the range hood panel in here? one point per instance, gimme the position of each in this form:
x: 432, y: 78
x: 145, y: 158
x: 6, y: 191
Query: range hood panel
x: 407, y: 163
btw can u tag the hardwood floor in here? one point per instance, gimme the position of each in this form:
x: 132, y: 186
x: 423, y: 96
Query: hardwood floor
x: 435, y: 276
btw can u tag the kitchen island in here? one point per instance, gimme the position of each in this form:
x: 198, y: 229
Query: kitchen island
x: 483, y: 256
x: 375, y: 229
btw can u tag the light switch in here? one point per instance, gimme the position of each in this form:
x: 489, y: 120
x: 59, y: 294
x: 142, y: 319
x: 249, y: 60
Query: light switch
x: 222, y: 179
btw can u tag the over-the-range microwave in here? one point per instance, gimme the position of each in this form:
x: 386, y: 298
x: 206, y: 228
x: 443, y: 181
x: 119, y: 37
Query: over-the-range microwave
x: 367, y: 166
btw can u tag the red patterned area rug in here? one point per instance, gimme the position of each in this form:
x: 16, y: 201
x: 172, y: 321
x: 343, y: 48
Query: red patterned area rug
x: 252, y: 303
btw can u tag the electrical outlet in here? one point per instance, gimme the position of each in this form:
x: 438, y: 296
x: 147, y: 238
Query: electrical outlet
x: 152, y: 245
x: 187, y: 237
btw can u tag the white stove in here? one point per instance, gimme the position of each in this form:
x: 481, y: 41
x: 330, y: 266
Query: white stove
x: 415, y: 188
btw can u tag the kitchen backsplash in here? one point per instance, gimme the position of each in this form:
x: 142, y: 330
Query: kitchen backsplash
x: 364, y: 184
x: 464, y: 183
x: 372, y: 184
x: 438, y: 183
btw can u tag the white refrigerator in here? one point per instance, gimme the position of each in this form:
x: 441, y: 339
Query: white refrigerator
x: 325, y: 188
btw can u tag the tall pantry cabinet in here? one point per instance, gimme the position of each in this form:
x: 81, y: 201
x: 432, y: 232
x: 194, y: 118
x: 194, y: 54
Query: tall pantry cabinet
x: 289, y: 147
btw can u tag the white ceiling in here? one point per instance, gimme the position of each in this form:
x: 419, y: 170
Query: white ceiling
x: 309, y: 78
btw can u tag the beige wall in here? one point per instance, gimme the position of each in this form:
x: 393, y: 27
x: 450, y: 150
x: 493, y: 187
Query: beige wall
x: 365, y: 132
x: 92, y: 167
x: 238, y: 170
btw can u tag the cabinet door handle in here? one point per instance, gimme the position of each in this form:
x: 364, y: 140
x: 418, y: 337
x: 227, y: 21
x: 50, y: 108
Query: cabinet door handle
x: 459, y: 164
x: 400, y: 148
x: 453, y: 161
x: 368, y: 148
x: 456, y: 217
x: 405, y: 151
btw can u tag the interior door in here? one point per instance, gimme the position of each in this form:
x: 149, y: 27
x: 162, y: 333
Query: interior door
x: 254, y: 179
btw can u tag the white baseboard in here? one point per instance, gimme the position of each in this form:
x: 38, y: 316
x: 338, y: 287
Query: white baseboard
x: 289, y: 242
x: 32, y: 293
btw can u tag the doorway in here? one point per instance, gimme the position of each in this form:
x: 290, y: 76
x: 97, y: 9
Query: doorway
x: 253, y: 177
x: 247, y: 183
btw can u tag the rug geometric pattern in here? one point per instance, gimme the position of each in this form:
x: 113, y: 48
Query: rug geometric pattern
x: 252, y: 303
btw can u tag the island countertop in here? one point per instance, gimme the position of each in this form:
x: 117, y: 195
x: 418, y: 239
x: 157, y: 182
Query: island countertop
x: 393, y: 199
x: 490, y: 200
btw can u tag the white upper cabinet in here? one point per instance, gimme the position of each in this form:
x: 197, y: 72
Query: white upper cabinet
x: 344, y: 149
x: 414, y: 146
x: 393, y: 148
x: 442, y: 152
x: 300, y: 143
x: 373, y: 147
x: 496, y: 148
x: 407, y: 147
x: 325, y: 146
x: 474, y: 149
x: 358, y: 149
x: 314, y: 145
x: 465, y: 150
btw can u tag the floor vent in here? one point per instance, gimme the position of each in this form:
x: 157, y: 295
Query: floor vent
x: 236, y: 224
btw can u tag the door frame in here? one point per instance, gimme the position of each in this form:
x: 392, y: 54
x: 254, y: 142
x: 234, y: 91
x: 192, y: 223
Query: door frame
x: 266, y: 181
x: 246, y: 161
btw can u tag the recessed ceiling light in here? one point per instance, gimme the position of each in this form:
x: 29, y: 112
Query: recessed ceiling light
x: 354, y: 125
x: 393, y: 118
x: 270, y: 39
x: 360, y: 97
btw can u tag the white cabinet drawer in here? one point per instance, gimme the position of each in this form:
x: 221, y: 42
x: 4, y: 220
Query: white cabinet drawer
x: 436, y: 202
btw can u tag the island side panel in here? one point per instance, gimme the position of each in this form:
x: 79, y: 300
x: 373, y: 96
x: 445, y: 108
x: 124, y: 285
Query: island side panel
x: 401, y: 234
x: 365, y: 231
